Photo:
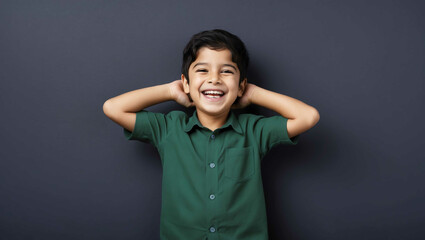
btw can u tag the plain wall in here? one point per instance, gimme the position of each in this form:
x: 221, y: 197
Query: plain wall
x: 67, y: 171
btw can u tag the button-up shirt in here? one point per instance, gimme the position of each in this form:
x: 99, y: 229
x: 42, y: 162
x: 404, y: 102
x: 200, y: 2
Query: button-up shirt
x: 211, y: 183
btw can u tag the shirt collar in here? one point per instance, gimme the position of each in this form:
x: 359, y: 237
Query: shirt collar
x: 232, y: 121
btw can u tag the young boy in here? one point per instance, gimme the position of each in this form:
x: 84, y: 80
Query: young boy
x: 212, y: 186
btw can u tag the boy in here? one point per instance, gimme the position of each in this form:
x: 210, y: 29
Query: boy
x: 212, y: 186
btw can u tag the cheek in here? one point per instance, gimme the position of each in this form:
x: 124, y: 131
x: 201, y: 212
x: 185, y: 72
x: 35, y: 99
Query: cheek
x: 235, y: 87
x: 194, y: 89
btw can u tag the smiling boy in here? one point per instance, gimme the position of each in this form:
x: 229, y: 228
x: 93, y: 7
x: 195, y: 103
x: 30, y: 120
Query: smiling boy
x: 212, y: 186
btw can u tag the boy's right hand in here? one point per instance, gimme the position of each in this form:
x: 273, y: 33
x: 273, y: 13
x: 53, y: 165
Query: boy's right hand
x: 177, y: 94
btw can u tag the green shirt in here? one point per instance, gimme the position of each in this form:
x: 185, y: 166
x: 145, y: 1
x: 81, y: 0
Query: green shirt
x: 211, y: 184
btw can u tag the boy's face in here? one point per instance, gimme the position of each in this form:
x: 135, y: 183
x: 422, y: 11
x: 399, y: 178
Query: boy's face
x: 213, y: 82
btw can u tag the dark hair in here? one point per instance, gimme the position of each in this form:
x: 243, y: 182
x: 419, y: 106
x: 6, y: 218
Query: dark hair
x: 216, y: 39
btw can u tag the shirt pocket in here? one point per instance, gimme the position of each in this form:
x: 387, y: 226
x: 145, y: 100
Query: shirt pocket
x: 239, y: 163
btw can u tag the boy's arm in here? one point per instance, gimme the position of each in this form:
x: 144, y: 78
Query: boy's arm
x: 301, y: 116
x: 122, y: 109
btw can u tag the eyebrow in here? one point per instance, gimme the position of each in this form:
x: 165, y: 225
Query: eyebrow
x: 202, y: 63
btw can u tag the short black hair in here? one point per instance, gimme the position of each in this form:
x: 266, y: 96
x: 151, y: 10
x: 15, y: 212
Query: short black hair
x: 216, y: 39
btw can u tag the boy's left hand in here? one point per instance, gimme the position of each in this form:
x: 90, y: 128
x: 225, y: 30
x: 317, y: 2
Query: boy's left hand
x: 246, y: 98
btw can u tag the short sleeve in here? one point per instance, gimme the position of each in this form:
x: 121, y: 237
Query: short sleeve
x: 271, y: 131
x: 150, y: 127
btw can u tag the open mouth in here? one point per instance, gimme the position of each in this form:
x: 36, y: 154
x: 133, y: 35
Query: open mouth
x: 213, y: 94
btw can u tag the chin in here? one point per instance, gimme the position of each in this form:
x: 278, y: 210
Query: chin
x: 213, y: 110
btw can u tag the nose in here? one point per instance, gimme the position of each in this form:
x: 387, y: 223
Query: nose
x: 214, y: 78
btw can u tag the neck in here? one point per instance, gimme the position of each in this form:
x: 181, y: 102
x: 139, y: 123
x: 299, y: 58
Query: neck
x: 212, y: 122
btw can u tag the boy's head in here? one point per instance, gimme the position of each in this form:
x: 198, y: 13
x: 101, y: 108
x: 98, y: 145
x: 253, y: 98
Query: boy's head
x: 216, y: 39
x: 214, y: 71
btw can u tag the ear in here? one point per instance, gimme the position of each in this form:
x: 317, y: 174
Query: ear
x: 242, y: 87
x: 185, y: 84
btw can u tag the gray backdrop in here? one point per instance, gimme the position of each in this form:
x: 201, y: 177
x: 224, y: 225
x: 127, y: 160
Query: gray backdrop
x: 67, y: 172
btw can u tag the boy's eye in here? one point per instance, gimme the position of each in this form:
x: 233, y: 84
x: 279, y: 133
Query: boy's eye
x: 227, y: 71
x: 201, y: 70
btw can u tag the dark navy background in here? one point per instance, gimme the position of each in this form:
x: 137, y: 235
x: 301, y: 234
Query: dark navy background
x: 67, y: 172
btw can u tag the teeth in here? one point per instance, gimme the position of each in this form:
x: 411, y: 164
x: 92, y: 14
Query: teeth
x: 214, y: 92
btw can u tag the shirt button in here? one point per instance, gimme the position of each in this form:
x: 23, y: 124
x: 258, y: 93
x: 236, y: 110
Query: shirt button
x: 213, y: 137
x: 212, y: 196
x: 212, y: 229
x: 212, y: 165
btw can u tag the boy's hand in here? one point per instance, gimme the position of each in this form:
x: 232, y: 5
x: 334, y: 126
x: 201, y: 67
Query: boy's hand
x: 246, y: 98
x: 177, y: 94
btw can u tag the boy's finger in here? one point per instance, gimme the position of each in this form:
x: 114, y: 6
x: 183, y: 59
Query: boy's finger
x: 190, y: 104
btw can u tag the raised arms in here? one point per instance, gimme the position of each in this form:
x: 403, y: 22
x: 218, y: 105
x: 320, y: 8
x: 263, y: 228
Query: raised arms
x: 122, y: 108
